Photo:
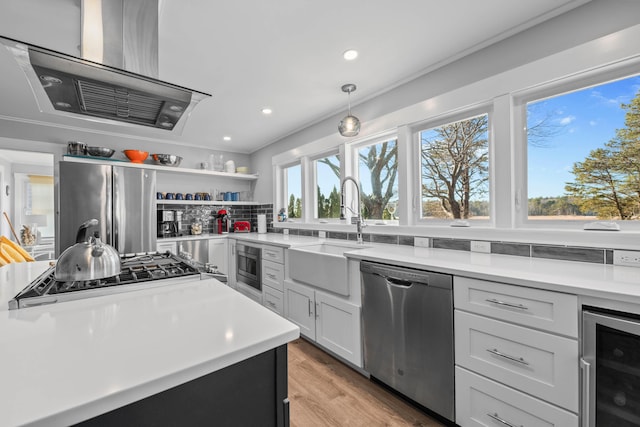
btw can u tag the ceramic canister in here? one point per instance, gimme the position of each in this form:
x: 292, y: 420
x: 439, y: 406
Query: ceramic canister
x: 230, y: 166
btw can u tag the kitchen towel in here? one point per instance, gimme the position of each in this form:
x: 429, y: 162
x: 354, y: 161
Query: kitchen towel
x: 262, y: 223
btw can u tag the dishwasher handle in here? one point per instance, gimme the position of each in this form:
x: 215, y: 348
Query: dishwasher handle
x: 394, y: 281
x: 405, y: 277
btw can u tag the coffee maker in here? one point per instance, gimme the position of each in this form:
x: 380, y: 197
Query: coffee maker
x: 167, y: 223
x: 222, y: 223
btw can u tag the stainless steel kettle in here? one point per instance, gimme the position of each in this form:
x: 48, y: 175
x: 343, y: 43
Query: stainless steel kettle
x: 88, y: 259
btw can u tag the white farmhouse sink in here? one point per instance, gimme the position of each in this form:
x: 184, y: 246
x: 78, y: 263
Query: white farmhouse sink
x: 323, y: 265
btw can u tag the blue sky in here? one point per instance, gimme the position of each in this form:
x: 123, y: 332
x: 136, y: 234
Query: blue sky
x: 584, y: 120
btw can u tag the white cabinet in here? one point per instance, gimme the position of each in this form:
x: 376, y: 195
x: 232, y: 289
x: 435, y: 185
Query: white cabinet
x: 273, y: 253
x: 219, y: 254
x: 231, y: 260
x: 299, y: 307
x: 536, y: 308
x: 273, y: 300
x: 516, y: 355
x: 535, y: 362
x: 272, y: 276
x: 163, y: 247
x: 491, y: 404
x: 332, y: 322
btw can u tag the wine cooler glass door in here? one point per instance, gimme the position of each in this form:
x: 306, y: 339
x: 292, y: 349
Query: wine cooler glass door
x: 611, y: 370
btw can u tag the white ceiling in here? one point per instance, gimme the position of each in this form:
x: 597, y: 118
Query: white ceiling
x: 287, y: 54
x: 284, y: 54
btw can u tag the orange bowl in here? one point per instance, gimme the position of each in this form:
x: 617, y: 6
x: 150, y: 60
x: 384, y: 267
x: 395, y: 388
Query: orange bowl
x: 136, y: 156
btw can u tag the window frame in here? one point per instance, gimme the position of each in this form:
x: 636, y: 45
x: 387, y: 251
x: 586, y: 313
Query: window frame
x: 313, y: 179
x: 572, y: 83
x: 353, y: 169
x: 502, y: 92
x: 416, y: 148
x: 284, y: 189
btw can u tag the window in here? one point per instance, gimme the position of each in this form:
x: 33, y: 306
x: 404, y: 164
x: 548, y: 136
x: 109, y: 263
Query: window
x: 327, y: 174
x: 293, y: 180
x: 454, y: 161
x: 378, y: 176
x: 34, y: 193
x: 583, y: 154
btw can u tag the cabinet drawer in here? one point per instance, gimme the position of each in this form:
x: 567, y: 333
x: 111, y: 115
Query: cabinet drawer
x: 273, y: 300
x: 482, y: 402
x: 273, y: 275
x: 551, y: 311
x: 273, y: 253
x: 535, y: 362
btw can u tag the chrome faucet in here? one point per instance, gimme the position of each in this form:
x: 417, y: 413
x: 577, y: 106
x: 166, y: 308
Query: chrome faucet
x: 358, y: 219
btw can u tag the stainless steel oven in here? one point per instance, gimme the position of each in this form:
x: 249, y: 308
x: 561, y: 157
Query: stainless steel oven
x: 248, y: 265
x: 611, y: 368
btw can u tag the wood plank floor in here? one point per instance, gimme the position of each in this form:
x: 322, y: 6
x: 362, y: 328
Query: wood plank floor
x: 326, y: 392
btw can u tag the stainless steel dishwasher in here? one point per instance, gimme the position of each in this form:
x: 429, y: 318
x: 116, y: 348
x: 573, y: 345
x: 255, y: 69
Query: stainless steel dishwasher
x: 408, y: 333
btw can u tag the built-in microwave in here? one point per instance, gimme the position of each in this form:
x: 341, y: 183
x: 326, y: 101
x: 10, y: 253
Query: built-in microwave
x: 611, y: 368
x: 248, y: 269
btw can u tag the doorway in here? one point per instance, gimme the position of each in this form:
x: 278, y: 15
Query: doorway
x: 27, y: 199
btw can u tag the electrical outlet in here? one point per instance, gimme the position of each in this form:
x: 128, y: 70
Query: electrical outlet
x: 630, y: 258
x: 478, y: 246
x: 421, y: 242
x: 322, y: 234
x: 285, y: 231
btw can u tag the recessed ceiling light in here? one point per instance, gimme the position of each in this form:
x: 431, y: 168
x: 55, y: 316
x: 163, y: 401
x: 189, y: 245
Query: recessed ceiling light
x: 350, y: 54
x: 226, y: 138
x: 266, y: 111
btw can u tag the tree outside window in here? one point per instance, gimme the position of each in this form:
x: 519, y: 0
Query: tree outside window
x: 455, y: 170
x: 293, y: 178
x: 378, y: 173
x: 590, y: 168
x: 328, y: 187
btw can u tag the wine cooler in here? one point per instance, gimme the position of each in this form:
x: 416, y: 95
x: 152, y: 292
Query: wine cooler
x: 610, y: 369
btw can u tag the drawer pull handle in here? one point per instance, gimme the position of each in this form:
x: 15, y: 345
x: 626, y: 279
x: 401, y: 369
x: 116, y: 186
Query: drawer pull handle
x: 507, y: 304
x: 506, y: 356
x: 501, y: 421
x: 272, y: 304
x: 271, y: 276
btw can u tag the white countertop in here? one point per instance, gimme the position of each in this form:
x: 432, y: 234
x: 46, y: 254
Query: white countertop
x: 276, y: 239
x: 586, y: 279
x: 62, y: 363
x: 618, y: 283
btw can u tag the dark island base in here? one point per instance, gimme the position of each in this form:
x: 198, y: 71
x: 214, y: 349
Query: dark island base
x: 250, y: 393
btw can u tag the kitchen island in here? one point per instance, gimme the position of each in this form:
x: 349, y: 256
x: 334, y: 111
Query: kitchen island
x: 194, y: 349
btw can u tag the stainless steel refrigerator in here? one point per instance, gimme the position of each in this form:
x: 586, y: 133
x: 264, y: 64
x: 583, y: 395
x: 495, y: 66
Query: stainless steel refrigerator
x: 121, y: 198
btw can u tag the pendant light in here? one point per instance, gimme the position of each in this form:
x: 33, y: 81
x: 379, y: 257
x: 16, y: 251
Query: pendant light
x: 350, y: 125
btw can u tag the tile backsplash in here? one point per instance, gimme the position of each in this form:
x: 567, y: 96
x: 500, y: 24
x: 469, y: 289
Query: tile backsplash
x: 236, y: 213
x: 250, y: 213
x: 560, y: 252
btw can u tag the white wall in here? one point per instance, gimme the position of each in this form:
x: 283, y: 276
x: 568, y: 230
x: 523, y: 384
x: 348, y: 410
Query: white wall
x: 589, y: 22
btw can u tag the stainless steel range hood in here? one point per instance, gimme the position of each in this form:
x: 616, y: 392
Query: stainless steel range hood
x: 66, y: 84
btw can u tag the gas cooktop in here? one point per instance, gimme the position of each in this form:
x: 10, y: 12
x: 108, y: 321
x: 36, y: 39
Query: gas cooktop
x: 137, y: 270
